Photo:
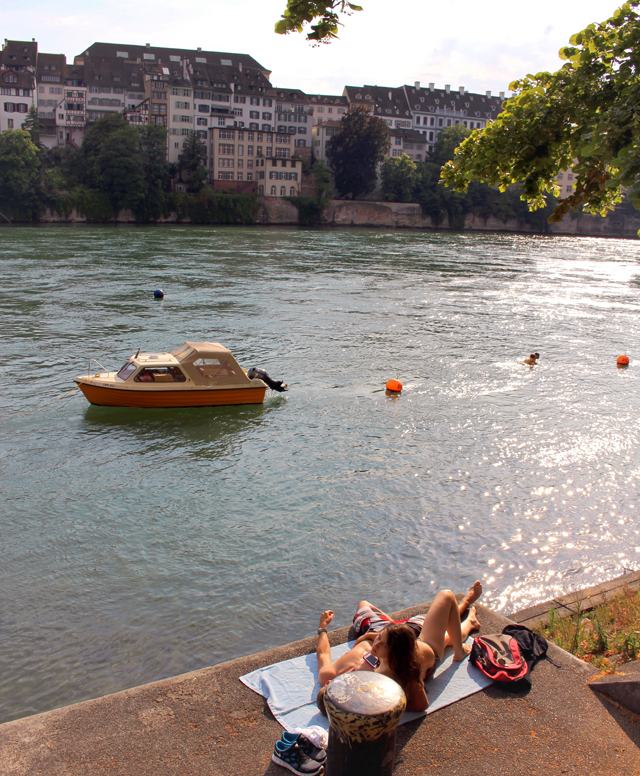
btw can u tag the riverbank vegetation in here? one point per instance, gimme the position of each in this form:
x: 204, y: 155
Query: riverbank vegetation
x: 605, y: 636
x: 118, y: 166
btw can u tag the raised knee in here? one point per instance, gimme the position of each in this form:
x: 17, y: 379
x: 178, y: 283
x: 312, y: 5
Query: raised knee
x: 363, y: 605
x: 449, y: 595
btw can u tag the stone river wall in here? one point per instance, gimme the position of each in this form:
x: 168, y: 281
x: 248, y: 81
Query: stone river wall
x: 273, y: 211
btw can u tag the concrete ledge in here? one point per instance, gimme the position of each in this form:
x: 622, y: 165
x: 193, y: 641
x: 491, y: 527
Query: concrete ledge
x: 206, y: 722
x: 567, y: 605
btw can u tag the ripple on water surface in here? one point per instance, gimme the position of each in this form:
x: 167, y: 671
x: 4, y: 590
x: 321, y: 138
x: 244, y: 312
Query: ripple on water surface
x: 141, y: 544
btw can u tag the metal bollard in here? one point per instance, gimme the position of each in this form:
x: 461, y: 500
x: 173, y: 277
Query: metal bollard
x: 364, y: 710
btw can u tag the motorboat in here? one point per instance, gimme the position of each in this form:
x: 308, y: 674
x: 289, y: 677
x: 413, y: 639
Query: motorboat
x: 197, y: 374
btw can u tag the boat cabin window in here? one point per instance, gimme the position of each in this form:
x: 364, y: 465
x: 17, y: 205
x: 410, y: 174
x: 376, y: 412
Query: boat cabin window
x: 181, y: 351
x: 210, y: 368
x: 160, y: 374
x: 127, y: 370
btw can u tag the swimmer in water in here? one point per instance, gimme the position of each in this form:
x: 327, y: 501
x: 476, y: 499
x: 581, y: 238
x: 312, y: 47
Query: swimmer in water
x: 532, y: 360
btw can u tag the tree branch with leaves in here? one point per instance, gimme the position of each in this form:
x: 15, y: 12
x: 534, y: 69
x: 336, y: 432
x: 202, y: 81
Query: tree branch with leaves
x: 298, y: 13
x: 586, y: 116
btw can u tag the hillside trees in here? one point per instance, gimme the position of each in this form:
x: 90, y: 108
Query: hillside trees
x: 355, y: 152
x: 192, y: 162
x: 19, y: 170
x: 584, y: 115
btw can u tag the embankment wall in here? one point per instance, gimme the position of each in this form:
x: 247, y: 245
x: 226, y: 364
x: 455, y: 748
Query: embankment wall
x: 274, y: 211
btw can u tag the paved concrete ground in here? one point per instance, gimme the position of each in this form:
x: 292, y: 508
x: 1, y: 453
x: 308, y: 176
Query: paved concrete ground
x: 208, y: 723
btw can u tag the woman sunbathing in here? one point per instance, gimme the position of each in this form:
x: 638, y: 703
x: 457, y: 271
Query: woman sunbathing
x: 407, y: 651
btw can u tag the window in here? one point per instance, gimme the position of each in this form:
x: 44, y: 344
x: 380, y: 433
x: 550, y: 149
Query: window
x: 432, y: 123
x: 254, y: 100
x: 221, y: 122
x: 203, y: 108
x: 254, y: 114
x: 301, y: 142
x: 239, y: 176
x: 240, y: 150
x: 123, y: 54
x: 181, y: 119
x: 448, y: 122
x: 302, y: 130
x: 149, y: 57
x: 240, y: 164
x: 265, y: 115
x: 175, y: 91
x: 226, y: 135
x: 225, y: 163
x: 283, y: 191
x: 267, y: 103
x: 202, y: 60
x: 42, y: 78
x: 282, y: 153
x: 237, y: 111
x: 273, y: 191
x: 292, y: 191
x: 173, y: 58
x: 239, y: 99
x: 398, y: 141
x: 282, y: 139
x: 225, y: 148
x: 182, y: 105
x: 430, y: 137
x: 439, y: 122
x: 9, y: 123
x: 249, y: 176
x: 160, y: 374
x: 396, y: 152
x: 159, y: 95
x: 200, y: 121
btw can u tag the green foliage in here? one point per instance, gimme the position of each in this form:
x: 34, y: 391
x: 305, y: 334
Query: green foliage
x: 355, y: 152
x: 448, y: 140
x: 216, y: 207
x: 584, y: 115
x: 19, y: 175
x: 301, y: 12
x: 311, y: 209
x: 192, y: 162
x: 32, y: 125
x: 157, y: 172
x: 399, y: 178
x: 120, y: 169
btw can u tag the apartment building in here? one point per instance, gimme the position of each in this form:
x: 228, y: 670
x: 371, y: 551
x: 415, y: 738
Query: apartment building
x: 409, y: 142
x: 321, y: 135
x: 243, y: 159
x: 434, y: 109
x: 327, y: 107
x: 17, y: 82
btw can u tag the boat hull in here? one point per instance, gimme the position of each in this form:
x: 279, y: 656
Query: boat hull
x: 207, y: 397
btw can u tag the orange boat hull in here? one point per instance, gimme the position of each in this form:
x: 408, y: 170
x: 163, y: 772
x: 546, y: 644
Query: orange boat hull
x: 208, y: 397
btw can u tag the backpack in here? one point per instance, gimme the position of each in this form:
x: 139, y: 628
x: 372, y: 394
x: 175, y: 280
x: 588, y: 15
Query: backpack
x: 508, y: 657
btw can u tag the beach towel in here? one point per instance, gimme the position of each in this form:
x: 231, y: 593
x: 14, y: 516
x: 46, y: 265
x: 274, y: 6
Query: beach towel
x: 291, y: 687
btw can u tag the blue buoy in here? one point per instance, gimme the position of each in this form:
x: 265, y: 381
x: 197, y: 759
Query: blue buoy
x: 158, y: 293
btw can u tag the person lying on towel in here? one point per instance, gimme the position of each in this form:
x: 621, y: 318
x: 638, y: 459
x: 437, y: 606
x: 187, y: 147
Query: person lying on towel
x: 407, y: 651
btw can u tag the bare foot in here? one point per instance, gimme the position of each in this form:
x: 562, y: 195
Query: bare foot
x: 475, y: 591
x: 466, y: 648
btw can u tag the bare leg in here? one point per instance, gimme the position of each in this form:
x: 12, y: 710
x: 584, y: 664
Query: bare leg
x: 475, y: 591
x: 362, y: 604
x: 443, y: 618
x: 472, y: 623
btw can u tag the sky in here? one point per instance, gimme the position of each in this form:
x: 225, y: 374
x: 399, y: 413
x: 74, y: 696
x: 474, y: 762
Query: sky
x: 478, y: 45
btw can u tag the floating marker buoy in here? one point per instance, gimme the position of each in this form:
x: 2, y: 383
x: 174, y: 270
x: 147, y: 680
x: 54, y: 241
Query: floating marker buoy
x: 394, y: 385
x: 158, y: 293
x: 623, y: 361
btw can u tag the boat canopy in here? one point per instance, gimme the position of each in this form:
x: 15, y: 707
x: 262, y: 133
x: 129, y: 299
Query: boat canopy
x: 210, y: 363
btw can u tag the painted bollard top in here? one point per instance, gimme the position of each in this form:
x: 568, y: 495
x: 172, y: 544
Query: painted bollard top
x: 363, y: 706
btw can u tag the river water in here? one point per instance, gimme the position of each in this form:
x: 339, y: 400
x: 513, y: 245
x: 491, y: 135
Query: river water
x: 139, y: 544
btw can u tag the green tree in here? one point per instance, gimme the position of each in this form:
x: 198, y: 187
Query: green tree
x: 19, y: 170
x: 157, y: 171
x: 355, y: 152
x: 322, y: 188
x: 301, y: 12
x: 192, y: 162
x: 584, y: 115
x: 85, y: 166
x: 448, y: 140
x: 399, y: 178
x: 120, y: 169
x: 32, y: 125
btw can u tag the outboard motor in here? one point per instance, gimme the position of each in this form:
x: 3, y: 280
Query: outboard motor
x: 260, y: 374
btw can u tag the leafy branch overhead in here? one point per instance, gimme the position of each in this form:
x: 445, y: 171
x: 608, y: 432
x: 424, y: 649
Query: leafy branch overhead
x: 585, y: 115
x: 326, y: 12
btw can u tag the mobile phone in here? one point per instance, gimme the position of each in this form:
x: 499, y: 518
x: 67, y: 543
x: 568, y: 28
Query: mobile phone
x: 369, y: 658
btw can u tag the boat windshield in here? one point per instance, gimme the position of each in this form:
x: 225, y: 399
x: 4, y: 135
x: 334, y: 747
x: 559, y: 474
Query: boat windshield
x: 127, y: 370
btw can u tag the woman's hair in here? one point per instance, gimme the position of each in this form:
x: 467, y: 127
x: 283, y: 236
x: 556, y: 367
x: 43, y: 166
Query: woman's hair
x: 401, y: 654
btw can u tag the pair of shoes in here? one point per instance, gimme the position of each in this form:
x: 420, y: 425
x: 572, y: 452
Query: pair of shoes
x: 289, y: 755
x: 313, y: 752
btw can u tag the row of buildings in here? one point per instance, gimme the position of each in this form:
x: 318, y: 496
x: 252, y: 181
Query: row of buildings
x: 255, y: 133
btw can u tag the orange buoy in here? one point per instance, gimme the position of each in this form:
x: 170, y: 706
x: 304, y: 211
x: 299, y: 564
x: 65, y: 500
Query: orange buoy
x: 623, y: 360
x: 394, y: 385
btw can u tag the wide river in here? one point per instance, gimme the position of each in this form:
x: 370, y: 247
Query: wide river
x: 140, y: 544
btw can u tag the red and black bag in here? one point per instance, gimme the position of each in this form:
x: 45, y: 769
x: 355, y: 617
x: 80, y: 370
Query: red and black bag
x: 508, y: 657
